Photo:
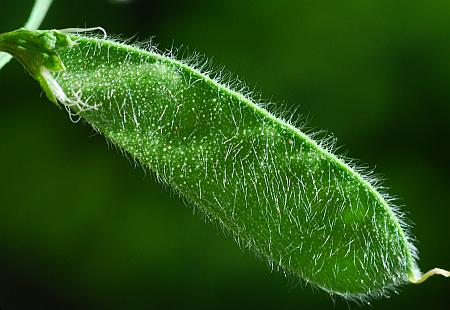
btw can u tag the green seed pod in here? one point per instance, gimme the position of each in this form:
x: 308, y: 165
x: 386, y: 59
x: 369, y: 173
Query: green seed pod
x: 274, y: 188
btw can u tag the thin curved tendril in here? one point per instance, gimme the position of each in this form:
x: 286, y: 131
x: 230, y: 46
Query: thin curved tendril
x: 430, y: 273
x: 37, y: 15
x: 83, y: 30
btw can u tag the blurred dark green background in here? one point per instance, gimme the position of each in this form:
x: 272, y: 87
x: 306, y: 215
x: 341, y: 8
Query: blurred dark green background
x: 82, y: 228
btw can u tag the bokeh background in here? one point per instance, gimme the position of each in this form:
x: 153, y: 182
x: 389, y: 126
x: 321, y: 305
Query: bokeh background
x: 82, y: 228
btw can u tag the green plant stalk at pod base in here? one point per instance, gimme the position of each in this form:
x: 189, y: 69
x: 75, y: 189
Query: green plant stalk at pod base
x: 275, y: 189
x: 37, y: 15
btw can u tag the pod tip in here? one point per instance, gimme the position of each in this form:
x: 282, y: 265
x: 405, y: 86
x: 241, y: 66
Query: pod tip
x: 436, y: 271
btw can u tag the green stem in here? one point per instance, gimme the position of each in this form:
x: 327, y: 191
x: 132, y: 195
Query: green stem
x: 37, y: 15
x: 38, y: 52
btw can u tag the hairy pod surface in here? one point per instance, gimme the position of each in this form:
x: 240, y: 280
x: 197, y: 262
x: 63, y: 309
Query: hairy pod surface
x: 275, y: 189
